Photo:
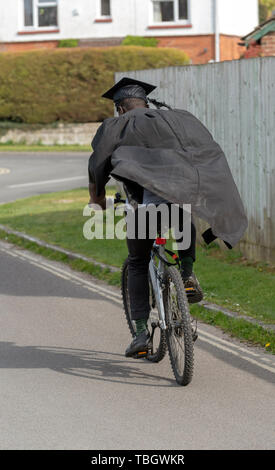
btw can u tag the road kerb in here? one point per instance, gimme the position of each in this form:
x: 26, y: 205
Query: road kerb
x: 72, y: 255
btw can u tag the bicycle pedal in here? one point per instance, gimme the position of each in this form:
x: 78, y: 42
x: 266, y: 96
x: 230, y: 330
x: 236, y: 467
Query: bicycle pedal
x: 140, y: 354
x: 194, y: 336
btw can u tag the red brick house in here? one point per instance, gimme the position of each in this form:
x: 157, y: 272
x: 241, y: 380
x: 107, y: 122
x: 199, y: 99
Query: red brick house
x: 207, y: 30
x: 261, y: 41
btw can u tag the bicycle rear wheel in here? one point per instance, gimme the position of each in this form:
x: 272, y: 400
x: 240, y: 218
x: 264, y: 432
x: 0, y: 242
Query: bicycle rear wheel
x: 179, y: 328
x: 159, y: 346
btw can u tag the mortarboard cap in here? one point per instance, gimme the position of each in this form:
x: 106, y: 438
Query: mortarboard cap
x: 129, y: 88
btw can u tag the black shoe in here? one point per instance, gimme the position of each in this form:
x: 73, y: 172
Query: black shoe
x: 139, y: 346
x: 193, y: 289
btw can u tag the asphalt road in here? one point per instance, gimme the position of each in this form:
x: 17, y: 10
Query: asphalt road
x: 65, y: 383
x: 64, y: 380
x: 27, y: 174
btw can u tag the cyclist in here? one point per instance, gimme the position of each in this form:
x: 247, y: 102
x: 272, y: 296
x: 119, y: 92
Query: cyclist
x: 162, y: 156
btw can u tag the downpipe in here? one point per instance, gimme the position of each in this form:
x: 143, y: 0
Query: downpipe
x: 216, y: 29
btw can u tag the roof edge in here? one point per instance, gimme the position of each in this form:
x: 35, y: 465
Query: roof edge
x: 261, y: 30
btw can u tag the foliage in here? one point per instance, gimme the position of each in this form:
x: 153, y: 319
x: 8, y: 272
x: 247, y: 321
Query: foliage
x: 266, y: 8
x: 139, y: 41
x: 68, y: 43
x: 66, y: 84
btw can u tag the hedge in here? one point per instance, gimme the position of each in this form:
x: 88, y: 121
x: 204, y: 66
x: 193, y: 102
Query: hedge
x: 68, y: 43
x: 139, y: 41
x: 66, y: 84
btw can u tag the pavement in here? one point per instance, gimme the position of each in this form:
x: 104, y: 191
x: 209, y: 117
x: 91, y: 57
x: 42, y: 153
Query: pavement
x: 65, y: 382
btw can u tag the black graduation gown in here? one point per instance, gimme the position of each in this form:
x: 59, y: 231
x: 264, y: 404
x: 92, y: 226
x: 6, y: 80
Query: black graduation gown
x: 172, y: 154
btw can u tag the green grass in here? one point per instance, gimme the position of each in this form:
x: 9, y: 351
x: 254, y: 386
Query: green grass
x: 227, y: 279
x: 236, y: 327
x: 240, y: 328
x: 78, y: 265
x: 57, y: 218
x: 7, y: 124
x: 12, y: 147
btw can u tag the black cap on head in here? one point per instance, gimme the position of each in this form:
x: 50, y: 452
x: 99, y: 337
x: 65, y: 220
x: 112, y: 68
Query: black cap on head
x: 129, y: 88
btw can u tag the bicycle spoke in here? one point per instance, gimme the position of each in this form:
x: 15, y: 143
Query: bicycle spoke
x: 176, y: 339
x: 179, y: 350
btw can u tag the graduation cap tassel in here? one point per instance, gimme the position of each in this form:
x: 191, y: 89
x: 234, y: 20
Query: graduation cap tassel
x: 158, y: 104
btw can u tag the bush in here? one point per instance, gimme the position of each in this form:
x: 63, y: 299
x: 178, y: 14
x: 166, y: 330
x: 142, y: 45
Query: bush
x: 139, y: 41
x: 66, y: 84
x: 68, y: 43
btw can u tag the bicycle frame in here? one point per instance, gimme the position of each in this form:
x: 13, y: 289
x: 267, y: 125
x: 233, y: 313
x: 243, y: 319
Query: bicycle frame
x: 157, y: 274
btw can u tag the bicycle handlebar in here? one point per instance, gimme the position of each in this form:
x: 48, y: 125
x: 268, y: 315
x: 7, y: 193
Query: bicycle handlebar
x: 118, y: 199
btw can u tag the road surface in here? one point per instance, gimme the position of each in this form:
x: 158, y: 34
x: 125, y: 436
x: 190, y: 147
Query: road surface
x: 27, y: 174
x: 66, y: 384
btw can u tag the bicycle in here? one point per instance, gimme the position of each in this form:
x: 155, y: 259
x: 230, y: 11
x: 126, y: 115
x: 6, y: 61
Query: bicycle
x: 170, y: 323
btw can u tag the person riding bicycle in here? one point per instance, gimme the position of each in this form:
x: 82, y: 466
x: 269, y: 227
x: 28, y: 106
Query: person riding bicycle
x: 162, y: 156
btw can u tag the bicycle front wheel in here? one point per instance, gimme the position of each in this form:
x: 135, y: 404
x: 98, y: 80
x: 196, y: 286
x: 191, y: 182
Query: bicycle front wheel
x: 179, y: 329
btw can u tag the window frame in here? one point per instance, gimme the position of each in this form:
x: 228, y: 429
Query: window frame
x: 35, y: 6
x: 176, y: 20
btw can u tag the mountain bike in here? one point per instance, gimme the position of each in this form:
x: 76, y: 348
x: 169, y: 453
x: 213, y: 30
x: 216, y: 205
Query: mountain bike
x: 170, y: 324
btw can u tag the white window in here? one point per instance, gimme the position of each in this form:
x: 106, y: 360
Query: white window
x: 170, y: 11
x: 40, y: 13
x: 105, y: 8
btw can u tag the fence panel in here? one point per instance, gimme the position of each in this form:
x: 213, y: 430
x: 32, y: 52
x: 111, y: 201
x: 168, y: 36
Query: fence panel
x: 236, y: 102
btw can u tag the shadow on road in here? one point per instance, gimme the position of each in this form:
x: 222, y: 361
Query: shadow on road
x: 95, y: 365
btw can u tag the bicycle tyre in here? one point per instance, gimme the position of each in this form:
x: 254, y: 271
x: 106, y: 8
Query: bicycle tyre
x: 161, y: 349
x: 181, y: 335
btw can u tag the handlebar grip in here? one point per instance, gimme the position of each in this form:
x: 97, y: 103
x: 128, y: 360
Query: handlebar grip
x: 118, y: 199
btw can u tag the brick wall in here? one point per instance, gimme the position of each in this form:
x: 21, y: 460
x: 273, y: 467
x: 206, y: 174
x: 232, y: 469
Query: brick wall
x: 27, y: 46
x: 101, y: 42
x: 263, y: 49
x: 229, y: 47
x: 254, y: 50
x: 201, y: 49
x: 64, y: 133
x: 268, y: 44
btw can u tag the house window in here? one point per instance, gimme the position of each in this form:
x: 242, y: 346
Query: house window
x: 40, y: 13
x: 183, y: 9
x: 170, y: 10
x: 105, y: 7
x: 28, y: 12
x: 47, y: 13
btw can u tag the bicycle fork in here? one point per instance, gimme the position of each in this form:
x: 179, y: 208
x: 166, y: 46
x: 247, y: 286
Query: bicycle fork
x: 156, y: 278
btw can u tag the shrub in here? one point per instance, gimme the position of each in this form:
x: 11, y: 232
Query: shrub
x: 139, y: 41
x: 68, y: 43
x: 66, y: 84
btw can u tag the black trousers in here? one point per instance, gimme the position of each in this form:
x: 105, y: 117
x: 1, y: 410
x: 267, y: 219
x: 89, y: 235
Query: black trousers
x: 139, y: 251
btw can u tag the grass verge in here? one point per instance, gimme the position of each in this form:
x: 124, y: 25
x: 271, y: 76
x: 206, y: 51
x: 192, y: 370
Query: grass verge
x: 57, y: 218
x: 242, y: 329
x: 78, y: 265
x: 239, y: 328
x: 10, y: 147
